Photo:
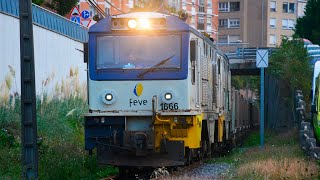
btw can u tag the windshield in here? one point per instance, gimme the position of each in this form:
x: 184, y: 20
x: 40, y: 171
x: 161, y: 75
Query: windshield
x: 138, y: 52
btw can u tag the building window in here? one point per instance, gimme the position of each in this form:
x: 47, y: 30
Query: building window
x: 234, y: 23
x: 174, y: 4
x: 223, y: 23
x: 292, y: 8
x: 273, y: 22
x: 288, y: 7
x: 288, y: 23
x: 234, y: 6
x: 92, y: 11
x: 209, y: 5
x: 273, y: 6
x: 200, y: 23
x: 223, y: 7
x: 193, y: 20
x: 234, y: 38
x: 291, y: 24
x: 223, y: 39
x: 107, y: 11
x: 201, y: 6
x: 208, y: 21
x: 272, y: 39
x: 285, y: 23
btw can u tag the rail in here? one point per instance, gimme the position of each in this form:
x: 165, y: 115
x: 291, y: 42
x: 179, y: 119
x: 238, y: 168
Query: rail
x: 247, y: 53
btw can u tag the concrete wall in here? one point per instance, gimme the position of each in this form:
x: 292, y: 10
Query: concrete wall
x: 56, y: 57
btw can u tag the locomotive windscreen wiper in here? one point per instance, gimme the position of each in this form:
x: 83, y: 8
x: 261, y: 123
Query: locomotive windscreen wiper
x: 154, y: 67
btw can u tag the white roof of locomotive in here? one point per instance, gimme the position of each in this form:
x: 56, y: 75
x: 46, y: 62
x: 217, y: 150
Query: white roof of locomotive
x: 141, y: 15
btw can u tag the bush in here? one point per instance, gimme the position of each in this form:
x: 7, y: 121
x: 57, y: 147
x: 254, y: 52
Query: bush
x: 60, y: 144
x: 291, y: 64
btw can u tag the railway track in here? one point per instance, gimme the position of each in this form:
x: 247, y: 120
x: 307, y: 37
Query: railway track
x: 197, y: 170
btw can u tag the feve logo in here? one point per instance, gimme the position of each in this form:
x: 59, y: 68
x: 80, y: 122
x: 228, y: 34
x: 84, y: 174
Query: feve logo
x: 138, y: 89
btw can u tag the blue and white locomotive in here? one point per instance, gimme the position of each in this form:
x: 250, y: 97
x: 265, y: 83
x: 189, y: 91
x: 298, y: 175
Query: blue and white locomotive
x: 159, y: 92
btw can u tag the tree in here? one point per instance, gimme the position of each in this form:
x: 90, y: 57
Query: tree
x: 308, y: 26
x: 291, y: 64
x: 63, y: 7
x: 38, y: 2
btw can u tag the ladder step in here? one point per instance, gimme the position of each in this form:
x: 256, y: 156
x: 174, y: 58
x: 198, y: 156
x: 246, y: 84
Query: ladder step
x: 27, y: 79
x: 27, y: 101
x: 29, y: 166
x: 25, y: 36
x: 25, y: 15
x: 28, y: 123
x: 26, y: 58
x: 29, y: 145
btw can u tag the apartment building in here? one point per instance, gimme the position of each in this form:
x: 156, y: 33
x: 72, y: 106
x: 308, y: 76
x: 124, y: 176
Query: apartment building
x: 255, y: 23
x: 202, y: 14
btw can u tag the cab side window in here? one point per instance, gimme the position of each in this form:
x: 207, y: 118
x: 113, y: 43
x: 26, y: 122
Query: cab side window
x: 193, y: 59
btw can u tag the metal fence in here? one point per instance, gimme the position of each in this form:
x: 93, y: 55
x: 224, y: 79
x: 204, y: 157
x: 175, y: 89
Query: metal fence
x: 247, y: 53
x: 279, y: 110
x: 48, y: 20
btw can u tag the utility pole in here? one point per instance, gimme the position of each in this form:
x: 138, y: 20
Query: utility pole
x: 262, y: 19
x: 28, y: 94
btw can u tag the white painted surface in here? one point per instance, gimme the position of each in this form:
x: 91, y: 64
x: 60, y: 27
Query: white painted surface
x: 54, y: 54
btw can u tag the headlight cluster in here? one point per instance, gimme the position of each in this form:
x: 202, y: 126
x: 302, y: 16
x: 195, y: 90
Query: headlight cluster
x: 108, y: 97
x: 138, y: 23
x: 168, y: 96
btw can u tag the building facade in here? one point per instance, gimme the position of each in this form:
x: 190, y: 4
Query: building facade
x: 202, y: 14
x: 256, y: 23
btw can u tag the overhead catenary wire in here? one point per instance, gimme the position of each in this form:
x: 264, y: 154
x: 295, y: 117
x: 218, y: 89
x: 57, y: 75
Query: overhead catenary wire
x: 97, y: 8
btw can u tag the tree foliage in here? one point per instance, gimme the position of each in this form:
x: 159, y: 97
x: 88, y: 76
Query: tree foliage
x: 243, y: 82
x: 308, y: 26
x: 63, y: 7
x: 291, y: 64
x: 38, y: 2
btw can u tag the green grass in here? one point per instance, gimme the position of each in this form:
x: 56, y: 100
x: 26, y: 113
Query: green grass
x: 280, y: 158
x: 61, y: 149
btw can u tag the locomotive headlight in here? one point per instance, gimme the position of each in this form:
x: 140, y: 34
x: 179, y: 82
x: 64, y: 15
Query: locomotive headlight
x: 109, y: 97
x: 168, y: 96
x: 144, y: 23
x: 132, y: 23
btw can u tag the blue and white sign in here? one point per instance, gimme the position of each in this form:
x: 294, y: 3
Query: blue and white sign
x: 262, y: 58
x: 76, y: 19
x: 85, y: 14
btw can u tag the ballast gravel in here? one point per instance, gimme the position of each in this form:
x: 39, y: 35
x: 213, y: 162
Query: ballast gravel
x: 203, y: 171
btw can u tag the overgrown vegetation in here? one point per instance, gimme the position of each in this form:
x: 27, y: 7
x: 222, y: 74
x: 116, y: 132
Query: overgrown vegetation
x: 290, y: 63
x: 308, y: 26
x: 60, y: 132
x: 243, y: 82
x: 63, y: 7
x: 281, y: 158
x: 38, y: 2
